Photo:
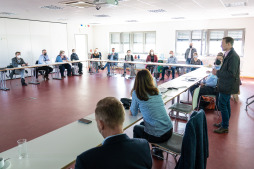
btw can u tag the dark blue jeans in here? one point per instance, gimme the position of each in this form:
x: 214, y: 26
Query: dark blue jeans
x: 108, y: 64
x: 224, y: 106
x: 172, y: 69
x: 188, y: 60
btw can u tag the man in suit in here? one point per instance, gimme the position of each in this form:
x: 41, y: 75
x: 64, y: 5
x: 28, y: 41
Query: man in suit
x: 111, y: 56
x: 228, y: 82
x: 118, y: 151
x: 189, y: 55
x: 74, y: 57
x: 17, y: 61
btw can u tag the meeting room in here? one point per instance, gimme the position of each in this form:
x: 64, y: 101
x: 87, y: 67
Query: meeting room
x: 126, y: 84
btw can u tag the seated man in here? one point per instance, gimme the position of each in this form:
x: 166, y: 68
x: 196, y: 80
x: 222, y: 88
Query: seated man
x: 17, y: 61
x: 172, y: 59
x: 207, y: 87
x: 117, y: 151
x: 128, y: 57
x: 62, y: 58
x: 111, y: 56
x: 195, y: 61
x: 44, y: 59
x: 74, y: 57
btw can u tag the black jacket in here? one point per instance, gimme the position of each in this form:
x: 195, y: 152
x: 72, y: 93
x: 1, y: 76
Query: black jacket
x: 193, y: 50
x: 195, y: 149
x: 15, y: 62
x: 74, y: 56
x: 229, y: 74
x: 118, y: 152
x: 132, y: 59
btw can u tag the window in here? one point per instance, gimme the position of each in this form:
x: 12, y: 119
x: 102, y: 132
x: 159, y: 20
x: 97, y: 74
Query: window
x: 208, y: 42
x: 137, y: 42
x: 184, y: 38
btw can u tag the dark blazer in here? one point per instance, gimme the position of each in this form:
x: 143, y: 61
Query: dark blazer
x: 118, y: 152
x: 195, y: 150
x: 115, y: 56
x: 15, y: 62
x: 193, y: 50
x: 229, y: 74
x: 74, y: 56
x: 132, y: 59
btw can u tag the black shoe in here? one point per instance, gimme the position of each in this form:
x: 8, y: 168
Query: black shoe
x: 158, y: 154
x: 220, y: 130
x: 108, y: 74
x: 217, y: 125
x: 11, y: 75
x: 162, y: 79
x: 102, y: 68
x: 81, y: 73
x: 23, y: 82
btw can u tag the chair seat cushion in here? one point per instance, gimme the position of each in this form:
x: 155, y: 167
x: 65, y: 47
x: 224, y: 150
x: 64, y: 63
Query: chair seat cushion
x: 181, y: 107
x: 174, y: 144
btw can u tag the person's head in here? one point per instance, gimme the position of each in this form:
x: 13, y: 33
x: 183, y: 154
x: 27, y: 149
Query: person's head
x: 128, y: 52
x: 227, y: 43
x: 73, y: 51
x: 171, y: 53
x: 61, y: 53
x: 44, y: 52
x: 151, y: 53
x: 96, y: 50
x: 113, y: 50
x: 191, y: 44
x: 144, y: 85
x: 195, y: 56
x: 17, y: 54
x: 109, y: 115
x: 219, y: 57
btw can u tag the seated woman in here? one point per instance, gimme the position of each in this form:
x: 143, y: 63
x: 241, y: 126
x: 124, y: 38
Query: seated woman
x: 146, y: 98
x: 97, y: 56
x: 195, y: 61
x: 62, y: 58
x: 151, y: 58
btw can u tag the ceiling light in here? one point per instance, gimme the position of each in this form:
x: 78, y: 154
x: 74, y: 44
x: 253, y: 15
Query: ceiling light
x: 240, y: 14
x: 7, y: 13
x: 178, y: 18
x: 102, y: 16
x: 52, y: 7
x: 236, y: 4
x: 131, y: 21
x: 157, y: 11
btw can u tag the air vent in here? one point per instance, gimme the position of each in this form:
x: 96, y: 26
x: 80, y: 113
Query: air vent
x: 7, y: 13
x: 53, y: 7
x: 178, y: 18
x: 131, y: 21
x: 240, y: 14
x: 157, y: 11
x: 235, y: 4
x: 102, y: 16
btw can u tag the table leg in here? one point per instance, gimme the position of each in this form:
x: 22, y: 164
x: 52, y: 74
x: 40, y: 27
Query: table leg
x: 57, y: 74
x: 3, y: 81
x: 33, y: 77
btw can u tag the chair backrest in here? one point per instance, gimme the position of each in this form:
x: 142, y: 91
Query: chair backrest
x: 195, y: 98
x: 37, y: 61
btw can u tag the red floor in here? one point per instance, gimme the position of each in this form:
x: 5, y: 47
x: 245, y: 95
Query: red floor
x: 29, y: 112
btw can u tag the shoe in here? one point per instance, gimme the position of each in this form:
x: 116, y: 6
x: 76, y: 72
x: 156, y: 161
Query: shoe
x: 23, y: 82
x: 217, y: 125
x: 162, y: 79
x: 11, y: 75
x: 124, y: 74
x: 81, y: 73
x: 108, y: 74
x: 157, y: 154
x: 220, y: 130
x: 102, y: 68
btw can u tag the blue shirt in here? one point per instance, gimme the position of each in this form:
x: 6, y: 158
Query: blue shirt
x: 43, y: 59
x: 59, y: 59
x: 156, y: 119
x: 211, y: 80
x: 172, y: 60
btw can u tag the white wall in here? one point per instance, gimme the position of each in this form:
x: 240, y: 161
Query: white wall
x: 165, y: 35
x: 30, y: 37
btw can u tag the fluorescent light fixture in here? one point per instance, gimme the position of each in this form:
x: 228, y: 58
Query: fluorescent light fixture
x: 240, y: 14
x: 131, y: 21
x: 157, y: 11
x: 236, y: 4
x: 102, y: 16
x: 178, y: 18
x: 53, y: 7
x: 7, y: 13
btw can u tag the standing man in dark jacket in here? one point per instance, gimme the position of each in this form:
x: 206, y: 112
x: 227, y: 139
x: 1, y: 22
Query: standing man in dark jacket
x: 117, y: 151
x: 228, y: 82
x: 189, y: 55
x: 74, y: 57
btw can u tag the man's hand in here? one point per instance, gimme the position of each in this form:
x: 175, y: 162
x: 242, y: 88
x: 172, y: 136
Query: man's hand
x: 130, y: 113
x: 214, y: 71
x: 202, y: 84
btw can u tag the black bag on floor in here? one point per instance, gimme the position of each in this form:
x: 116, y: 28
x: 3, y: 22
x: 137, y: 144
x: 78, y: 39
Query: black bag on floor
x: 126, y: 103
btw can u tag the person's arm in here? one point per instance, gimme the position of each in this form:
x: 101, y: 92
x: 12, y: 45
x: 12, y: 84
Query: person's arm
x: 40, y: 60
x: 211, y: 81
x: 147, y: 58
x: 232, y: 69
x: 116, y: 56
x: 58, y: 59
x: 155, y: 58
x: 186, y: 54
x: 134, y: 104
x: 72, y: 57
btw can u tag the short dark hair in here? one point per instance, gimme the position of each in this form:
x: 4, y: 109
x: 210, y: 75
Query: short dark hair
x: 110, y: 110
x: 72, y: 50
x: 17, y: 53
x: 44, y: 50
x: 128, y: 50
x: 229, y: 40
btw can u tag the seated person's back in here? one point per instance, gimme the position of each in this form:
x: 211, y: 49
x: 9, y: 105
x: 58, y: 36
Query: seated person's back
x: 118, y: 151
